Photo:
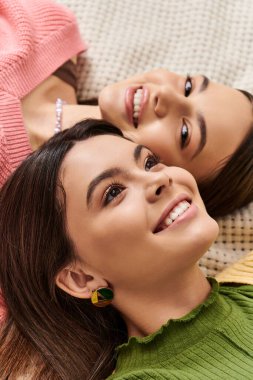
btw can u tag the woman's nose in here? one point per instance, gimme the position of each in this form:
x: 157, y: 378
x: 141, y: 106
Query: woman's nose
x: 167, y: 99
x: 157, y: 184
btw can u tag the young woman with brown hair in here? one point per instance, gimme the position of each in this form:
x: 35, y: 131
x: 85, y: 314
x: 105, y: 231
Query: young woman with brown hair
x: 91, y: 218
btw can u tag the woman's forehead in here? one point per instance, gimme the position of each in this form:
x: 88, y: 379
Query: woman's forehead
x: 95, y: 154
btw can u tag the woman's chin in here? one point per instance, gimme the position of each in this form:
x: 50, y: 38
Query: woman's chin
x: 208, y: 234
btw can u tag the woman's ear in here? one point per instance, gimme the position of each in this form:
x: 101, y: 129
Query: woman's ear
x: 73, y: 280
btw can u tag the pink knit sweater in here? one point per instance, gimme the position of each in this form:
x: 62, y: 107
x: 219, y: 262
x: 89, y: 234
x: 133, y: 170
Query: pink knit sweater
x: 36, y: 37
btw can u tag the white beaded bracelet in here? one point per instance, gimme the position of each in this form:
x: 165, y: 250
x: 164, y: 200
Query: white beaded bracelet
x: 58, y: 113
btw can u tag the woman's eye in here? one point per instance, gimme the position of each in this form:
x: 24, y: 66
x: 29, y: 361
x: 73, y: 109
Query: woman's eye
x: 151, y: 161
x: 184, y: 135
x: 112, y: 192
x: 188, y: 86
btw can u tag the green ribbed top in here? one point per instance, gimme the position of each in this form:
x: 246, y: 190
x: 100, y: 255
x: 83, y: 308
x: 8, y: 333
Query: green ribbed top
x: 214, y: 341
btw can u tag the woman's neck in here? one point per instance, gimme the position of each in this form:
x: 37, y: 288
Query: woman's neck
x: 146, y: 313
x: 38, y: 109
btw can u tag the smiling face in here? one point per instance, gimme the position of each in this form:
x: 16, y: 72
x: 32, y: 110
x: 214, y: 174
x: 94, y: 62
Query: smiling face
x: 189, y: 122
x: 129, y: 216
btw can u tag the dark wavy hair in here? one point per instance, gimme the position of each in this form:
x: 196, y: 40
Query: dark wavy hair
x: 47, y: 333
x: 232, y: 187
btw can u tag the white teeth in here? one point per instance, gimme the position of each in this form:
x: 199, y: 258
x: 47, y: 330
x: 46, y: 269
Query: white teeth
x: 168, y: 221
x: 173, y: 215
x: 137, y: 103
x: 185, y: 205
x: 178, y: 210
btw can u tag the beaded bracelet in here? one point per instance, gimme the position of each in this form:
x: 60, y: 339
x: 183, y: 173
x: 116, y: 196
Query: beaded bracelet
x: 58, y: 113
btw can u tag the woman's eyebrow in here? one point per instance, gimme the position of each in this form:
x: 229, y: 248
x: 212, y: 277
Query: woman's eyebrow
x: 204, y: 84
x: 248, y: 96
x: 110, y: 173
x: 202, y: 141
x: 201, y: 121
x: 137, y: 152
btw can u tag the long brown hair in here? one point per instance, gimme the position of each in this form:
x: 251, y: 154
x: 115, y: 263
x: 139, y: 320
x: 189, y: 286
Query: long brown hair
x: 47, y: 333
x: 232, y: 187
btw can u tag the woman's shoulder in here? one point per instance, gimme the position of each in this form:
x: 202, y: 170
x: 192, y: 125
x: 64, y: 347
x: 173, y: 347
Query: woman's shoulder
x: 236, y: 282
x: 240, y: 293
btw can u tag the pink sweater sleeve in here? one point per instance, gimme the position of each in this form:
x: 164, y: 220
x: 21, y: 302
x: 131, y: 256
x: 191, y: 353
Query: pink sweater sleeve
x: 37, y: 37
x: 14, y: 144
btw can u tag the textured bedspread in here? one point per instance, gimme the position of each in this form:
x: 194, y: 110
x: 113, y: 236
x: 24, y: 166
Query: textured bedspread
x: 213, y: 37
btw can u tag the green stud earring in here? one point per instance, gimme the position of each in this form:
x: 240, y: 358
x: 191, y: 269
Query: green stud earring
x: 102, y: 297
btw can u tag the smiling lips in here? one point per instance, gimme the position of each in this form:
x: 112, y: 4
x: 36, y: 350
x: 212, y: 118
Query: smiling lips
x: 172, y: 214
x: 137, y: 105
x: 135, y: 100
